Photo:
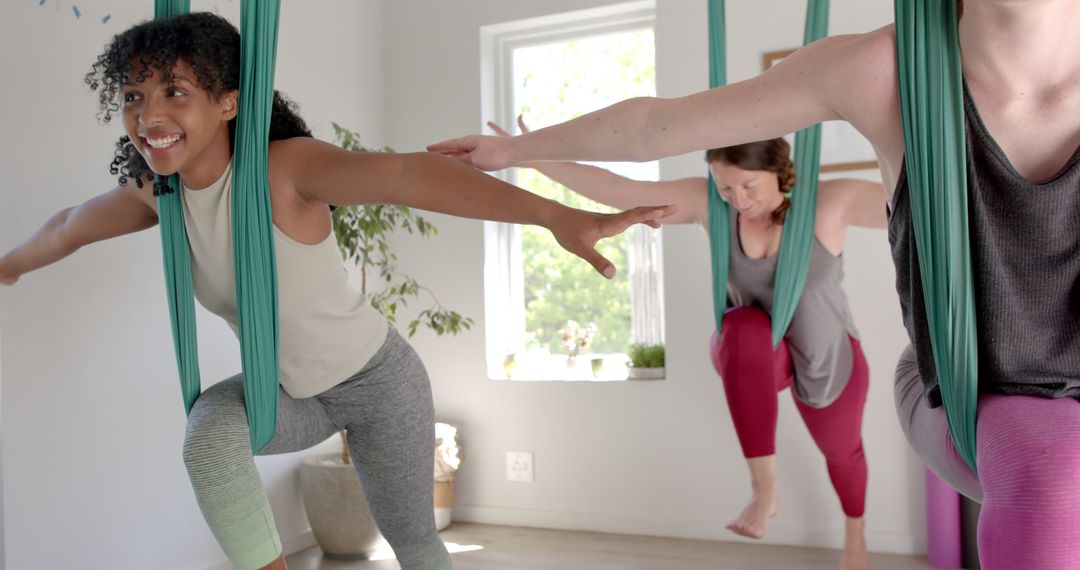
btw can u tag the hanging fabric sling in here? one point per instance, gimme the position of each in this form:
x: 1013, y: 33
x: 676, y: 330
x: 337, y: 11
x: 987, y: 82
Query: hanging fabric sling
x: 797, y: 239
x: 932, y: 115
x: 253, y: 245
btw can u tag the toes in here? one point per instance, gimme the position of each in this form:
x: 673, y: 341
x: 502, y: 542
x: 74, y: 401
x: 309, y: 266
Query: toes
x: 747, y: 530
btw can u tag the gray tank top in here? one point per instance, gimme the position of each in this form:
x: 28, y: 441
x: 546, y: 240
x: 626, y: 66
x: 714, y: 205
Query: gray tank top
x: 1025, y: 253
x: 818, y: 335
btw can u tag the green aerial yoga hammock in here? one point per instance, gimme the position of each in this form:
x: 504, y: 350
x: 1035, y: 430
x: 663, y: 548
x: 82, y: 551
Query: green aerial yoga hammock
x: 253, y: 244
x: 932, y: 112
x: 798, y: 235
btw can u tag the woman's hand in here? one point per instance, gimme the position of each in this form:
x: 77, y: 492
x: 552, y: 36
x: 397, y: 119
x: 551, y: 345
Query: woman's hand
x: 502, y: 133
x: 479, y: 151
x: 578, y: 231
x: 7, y: 275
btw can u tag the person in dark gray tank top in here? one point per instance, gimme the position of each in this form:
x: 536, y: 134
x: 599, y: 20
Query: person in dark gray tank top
x: 820, y: 357
x: 1025, y: 249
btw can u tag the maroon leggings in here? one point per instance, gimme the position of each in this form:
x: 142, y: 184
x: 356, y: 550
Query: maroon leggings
x: 753, y: 374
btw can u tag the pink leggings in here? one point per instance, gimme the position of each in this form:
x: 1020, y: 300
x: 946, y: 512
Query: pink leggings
x: 1029, y: 471
x: 753, y: 374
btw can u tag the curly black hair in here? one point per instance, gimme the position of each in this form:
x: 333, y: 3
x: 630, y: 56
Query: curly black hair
x: 207, y: 42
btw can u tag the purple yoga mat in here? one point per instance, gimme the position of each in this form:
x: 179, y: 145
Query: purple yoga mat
x: 943, y: 524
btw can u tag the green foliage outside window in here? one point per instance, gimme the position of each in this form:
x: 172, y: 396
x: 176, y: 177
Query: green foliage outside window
x: 559, y: 287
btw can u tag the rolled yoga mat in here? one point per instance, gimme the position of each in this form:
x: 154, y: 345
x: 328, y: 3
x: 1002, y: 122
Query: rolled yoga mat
x: 943, y: 524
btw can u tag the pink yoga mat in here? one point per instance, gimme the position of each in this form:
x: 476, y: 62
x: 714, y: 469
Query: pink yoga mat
x: 943, y: 524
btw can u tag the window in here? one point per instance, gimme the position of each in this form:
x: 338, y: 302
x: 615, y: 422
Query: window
x: 549, y: 315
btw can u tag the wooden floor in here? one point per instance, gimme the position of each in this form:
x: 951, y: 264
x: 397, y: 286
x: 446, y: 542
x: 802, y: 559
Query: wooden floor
x: 484, y: 547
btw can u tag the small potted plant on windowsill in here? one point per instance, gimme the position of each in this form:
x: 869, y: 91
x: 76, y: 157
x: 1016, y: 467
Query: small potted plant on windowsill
x: 576, y: 338
x: 646, y: 362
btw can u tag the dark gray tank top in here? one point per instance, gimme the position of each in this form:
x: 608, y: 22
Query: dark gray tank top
x: 818, y: 335
x: 1025, y: 251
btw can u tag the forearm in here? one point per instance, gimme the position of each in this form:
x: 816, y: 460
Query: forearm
x: 46, y: 246
x: 650, y: 128
x: 615, y: 133
x: 594, y: 183
x: 795, y: 94
x: 439, y: 184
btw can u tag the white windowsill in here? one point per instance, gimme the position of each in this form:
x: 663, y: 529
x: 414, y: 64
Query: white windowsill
x: 540, y: 366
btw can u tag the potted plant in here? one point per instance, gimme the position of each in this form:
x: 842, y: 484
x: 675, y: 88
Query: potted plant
x: 576, y: 338
x: 448, y: 456
x: 646, y: 361
x: 333, y: 497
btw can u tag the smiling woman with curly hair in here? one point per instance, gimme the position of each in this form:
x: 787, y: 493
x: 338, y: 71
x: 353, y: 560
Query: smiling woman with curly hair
x: 174, y: 84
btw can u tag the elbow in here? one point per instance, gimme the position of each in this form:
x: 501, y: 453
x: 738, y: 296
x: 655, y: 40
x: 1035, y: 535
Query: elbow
x: 67, y: 240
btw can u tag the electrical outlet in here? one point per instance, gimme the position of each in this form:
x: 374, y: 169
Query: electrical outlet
x: 519, y: 466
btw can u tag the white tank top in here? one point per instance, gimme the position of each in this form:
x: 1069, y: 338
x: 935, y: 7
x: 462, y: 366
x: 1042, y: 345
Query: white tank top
x: 328, y: 331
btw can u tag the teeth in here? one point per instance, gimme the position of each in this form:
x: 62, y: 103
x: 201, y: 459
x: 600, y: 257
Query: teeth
x: 163, y: 142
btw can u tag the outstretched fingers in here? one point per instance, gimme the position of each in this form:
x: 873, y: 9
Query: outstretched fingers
x: 648, y: 215
x: 497, y: 129
x: 459, y: 148
x: 615, y: 224
x: 601, y: 264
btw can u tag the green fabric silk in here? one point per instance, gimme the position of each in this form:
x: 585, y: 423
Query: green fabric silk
x: 253, y: 243
x: 797, y: 239
x: 719, y: 220
x: 932, y: 114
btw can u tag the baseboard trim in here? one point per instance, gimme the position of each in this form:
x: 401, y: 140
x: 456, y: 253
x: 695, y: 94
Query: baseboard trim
x: 298, y: 542
x: 699, y: 528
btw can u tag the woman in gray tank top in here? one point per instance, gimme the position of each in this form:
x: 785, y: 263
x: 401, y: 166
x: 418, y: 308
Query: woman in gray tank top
x: 819, y: 358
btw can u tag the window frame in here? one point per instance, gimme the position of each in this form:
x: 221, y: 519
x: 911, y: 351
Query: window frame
x: 504, y: 303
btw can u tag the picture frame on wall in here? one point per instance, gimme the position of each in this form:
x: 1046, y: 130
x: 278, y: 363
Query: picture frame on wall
x: 842, y: 147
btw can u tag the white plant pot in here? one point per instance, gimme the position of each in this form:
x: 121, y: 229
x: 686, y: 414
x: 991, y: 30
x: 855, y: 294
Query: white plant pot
x: 337, y: 509
x: 444, y: 504
x: 646, y: 373
x: 443, y: 518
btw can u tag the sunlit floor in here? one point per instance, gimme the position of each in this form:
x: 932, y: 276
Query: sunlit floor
x: 485, y: 547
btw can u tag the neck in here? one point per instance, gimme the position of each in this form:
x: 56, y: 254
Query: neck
x: 1021, y: 43
x: 206, y: 168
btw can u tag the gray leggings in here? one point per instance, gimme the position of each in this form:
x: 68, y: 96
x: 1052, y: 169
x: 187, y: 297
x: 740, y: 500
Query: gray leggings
x: 388, y: 412
x: 927, y: 430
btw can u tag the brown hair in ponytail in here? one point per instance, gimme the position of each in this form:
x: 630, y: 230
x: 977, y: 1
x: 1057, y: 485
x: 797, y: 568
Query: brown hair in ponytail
x: 773, y: 155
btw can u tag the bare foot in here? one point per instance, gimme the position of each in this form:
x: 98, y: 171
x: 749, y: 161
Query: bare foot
x: 855, y: 557
x: 752, y: 521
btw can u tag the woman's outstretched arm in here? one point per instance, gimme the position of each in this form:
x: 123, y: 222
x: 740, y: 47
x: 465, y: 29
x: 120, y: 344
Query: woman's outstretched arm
x: 806, y: 88
x: 123, y: 210
x: 690, y: 195
x: 324, y: 173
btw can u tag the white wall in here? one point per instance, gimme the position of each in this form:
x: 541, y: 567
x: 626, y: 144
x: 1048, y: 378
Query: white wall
x: 92, y: 414
x: 656, y: 458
